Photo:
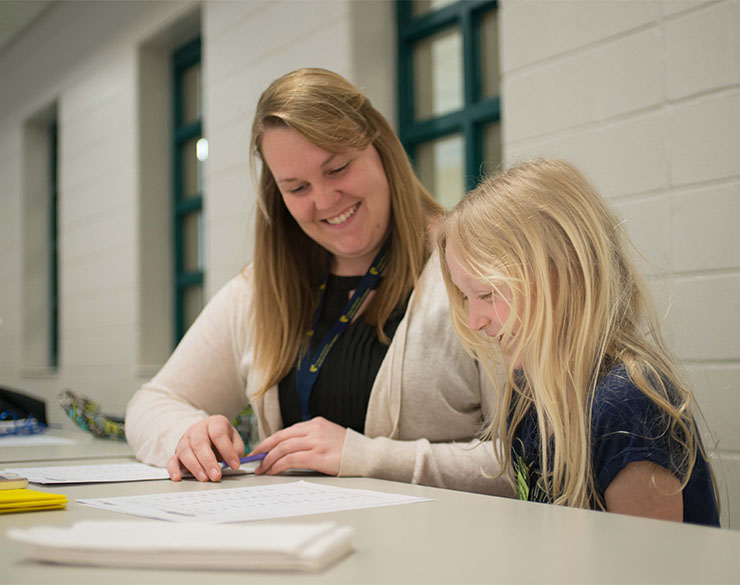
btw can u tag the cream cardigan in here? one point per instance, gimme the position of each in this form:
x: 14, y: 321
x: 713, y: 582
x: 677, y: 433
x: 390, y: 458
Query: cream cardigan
x: 427, y: 404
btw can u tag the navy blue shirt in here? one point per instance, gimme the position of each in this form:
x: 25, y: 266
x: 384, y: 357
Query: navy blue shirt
x: 626, y: 427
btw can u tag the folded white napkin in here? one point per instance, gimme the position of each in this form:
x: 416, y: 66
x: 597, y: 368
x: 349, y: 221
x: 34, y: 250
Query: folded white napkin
x: 157, y: 544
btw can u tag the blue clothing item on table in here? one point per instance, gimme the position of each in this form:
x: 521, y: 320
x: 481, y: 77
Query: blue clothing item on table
x: 626, y: 427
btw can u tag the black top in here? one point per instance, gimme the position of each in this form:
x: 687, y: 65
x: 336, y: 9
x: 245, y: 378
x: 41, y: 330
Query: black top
x: 342, y: 388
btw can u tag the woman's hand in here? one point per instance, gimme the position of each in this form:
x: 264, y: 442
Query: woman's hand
x: 315, y: 444
x: 202, y: 447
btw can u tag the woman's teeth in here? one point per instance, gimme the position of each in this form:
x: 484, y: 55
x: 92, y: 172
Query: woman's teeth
x: 343, y: 217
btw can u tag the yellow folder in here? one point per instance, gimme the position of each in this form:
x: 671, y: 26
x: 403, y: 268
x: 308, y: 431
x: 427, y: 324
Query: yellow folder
x: 25, y: 500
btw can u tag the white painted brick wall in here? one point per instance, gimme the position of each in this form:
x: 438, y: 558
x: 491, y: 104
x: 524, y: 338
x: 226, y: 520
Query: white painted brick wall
x: 704, y: 138
x: 624, y: 157
x: 10, y: 250
x: 720, y: 400
x: 703, y: 50
x: 706, y: 222
x: 645, y: 96
x: 706, y: 313
x: 672, y: 7
x: 649, y: 222
x: 600, y: 92
x: 539, y: 31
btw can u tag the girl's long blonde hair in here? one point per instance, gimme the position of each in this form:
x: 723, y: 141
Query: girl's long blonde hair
x: 334, y: 115
x: 578, y: 308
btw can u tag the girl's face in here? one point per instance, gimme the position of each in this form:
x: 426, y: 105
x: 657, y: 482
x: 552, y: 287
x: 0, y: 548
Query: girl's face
x: 340, y: 200
x: 488, y: 310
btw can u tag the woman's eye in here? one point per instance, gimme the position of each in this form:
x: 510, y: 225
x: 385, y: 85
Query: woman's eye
x: 485, y: 296
x: 339, y: 169
x: 296, y: 190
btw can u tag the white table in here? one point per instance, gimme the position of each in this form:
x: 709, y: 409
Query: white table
x: 457, y: 538
x: 85, y: 447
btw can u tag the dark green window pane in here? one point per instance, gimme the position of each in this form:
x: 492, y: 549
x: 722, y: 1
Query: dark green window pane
x: 492, y: 156
x: 438, y: 74
x: 192, y: 242
x: 192, y: 303
x: 191, y: 94
x: 489, y: 54
x: 440, y: 164
x: 190, y: 152
x: 421, y: 7
x: 192, y: 169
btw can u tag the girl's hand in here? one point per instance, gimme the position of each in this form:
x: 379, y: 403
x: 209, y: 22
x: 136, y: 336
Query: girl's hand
x: 315, y: 444
x: 202, y: 447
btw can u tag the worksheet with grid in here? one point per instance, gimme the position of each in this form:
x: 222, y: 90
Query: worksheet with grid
x: 249, y: 503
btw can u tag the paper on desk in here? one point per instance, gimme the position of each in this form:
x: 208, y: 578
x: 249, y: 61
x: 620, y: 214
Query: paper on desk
x: 90, y: 473
x: 249, y: 503
x: 102, y: 473
x: 145, y: 543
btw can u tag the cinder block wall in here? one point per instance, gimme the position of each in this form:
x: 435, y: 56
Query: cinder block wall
x: 645, y: 96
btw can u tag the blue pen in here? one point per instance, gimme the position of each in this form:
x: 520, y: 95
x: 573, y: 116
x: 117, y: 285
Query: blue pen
x: 247, y: 459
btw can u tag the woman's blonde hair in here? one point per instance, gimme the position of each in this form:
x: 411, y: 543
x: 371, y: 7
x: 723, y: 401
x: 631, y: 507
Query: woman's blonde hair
x: 334, y: 115
x: 578, y: 308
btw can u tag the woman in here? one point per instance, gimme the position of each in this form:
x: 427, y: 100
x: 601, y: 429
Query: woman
x: 593, y: 411
x: 338, y: 334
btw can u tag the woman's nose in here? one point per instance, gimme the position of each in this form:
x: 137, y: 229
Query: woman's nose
x: 325, y: 196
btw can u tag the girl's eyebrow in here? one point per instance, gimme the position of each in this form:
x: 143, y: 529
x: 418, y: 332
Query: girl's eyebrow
x: 326, y: 162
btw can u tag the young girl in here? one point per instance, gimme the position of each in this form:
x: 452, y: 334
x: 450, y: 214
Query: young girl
x: 592, y: 411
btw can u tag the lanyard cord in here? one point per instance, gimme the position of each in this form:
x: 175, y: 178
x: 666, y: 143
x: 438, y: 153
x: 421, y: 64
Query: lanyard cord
x: 309, y: 366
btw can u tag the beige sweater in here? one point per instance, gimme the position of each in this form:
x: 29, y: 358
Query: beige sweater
x: 427, y: 404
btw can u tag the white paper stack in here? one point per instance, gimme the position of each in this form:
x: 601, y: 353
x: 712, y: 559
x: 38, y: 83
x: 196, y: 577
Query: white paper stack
x: 155, y: 544
x: 116, y: 472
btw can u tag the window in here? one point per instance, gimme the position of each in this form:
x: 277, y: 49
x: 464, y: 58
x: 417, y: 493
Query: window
x: 449, y: 106
x: 190, y: 150
x: 40, y: 261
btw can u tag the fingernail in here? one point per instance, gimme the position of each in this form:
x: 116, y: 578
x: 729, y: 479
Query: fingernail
x: 234, y: 464
x: 202, y: 476
x: 215, y: 474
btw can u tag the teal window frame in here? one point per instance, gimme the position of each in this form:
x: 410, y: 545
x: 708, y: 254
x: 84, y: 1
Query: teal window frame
x: 476, y: 112
x: 53, y: 357
x: 182, y: 59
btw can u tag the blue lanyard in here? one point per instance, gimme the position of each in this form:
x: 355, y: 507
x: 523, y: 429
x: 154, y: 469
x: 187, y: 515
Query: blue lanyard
x: 308, y: 369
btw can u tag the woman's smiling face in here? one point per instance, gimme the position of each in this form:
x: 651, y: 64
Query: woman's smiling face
x: 340, y: 200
